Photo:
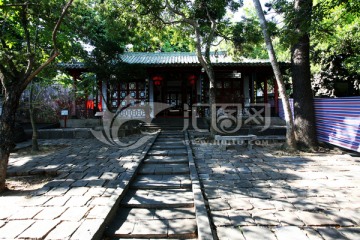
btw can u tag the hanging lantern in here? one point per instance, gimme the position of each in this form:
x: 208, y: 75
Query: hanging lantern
x: 157, y: 79
x: 192, y: 79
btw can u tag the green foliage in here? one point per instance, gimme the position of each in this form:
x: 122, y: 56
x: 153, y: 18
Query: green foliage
x: 164, y: 39
x: 334, y: 38
x: 247, y: 39
x: 247, y: 36
x: 336, y: 43
x: 109, y: 27
x: 30, y: 24
x: 177, y: 15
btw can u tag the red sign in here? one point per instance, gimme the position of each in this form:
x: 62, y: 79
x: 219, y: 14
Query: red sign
x: 157, y: 79
x: 192, y: 79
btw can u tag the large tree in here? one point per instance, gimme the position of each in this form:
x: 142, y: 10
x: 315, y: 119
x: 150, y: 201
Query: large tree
x: 296, y: 34
x: 25, y: 26
x: 304, y: 113
x: 290, y: 136
x: 203, y: 19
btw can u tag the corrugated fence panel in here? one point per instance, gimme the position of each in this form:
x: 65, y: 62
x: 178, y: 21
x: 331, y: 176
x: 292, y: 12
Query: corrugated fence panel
x: 281, y: 109
x: 337, y: 121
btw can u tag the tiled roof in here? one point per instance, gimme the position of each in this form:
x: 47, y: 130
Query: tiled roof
x: 162, y: 59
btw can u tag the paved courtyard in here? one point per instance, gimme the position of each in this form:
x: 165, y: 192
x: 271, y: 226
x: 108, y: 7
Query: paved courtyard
x: 259, y: 194
x: 91, y: 176
x: 256, y: 194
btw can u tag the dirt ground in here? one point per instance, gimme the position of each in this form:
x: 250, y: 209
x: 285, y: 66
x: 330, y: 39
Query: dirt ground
x: 30, y: 182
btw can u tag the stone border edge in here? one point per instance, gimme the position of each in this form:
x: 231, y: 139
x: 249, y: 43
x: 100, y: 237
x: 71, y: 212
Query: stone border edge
x: 202, y: 217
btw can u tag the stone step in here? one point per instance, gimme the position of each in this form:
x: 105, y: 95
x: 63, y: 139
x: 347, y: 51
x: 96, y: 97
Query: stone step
x: 153, y: 229
x: 169, y: 142
x: 175, y: 152
x: 138, y: 214
x: 168, y: 146
x: 166, y: 159
x: 169, y: 139
x: 162, y: 182
x: 150, y: 198
x: 161, y: 169
x: 169, y: 132
x: 171, y: 135
x: 165, y: 128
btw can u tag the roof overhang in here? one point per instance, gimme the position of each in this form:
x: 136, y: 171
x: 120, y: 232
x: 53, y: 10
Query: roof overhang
x: 178, y: 59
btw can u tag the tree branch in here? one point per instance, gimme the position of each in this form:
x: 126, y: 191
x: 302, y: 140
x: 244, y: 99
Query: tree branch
x: 171, y: 22
x: 211, y: 35
x: 56, y: 51
x: 185, y: 19
x: 217, y: 44
x: 3, y: 73
x: 24, y: 23
x: 17, y: 5
x: 201, y: 59
x: 13, y: 72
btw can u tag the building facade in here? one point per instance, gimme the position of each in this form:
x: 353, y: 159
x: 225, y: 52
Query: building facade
x: 179, y: 80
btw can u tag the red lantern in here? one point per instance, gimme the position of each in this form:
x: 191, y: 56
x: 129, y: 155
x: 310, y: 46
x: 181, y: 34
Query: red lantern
x: 157, y: 79
x: 192, y: 79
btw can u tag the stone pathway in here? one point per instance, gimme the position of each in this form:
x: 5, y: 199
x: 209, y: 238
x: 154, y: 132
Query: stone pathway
x: 160, y: 201
x: 258, y: 195
x: 249, y: 194
x: 91, y: 177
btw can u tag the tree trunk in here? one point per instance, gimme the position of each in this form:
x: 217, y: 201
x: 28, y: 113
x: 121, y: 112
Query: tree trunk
x: 305, y: 127
x: 7, y: 126
x: 206, y: 64
x: 290, y: 136
x: 35, y: 144
x: 4, y: 158
x: 212, y: 92
x: 14, y: 86
x: 212, y: 101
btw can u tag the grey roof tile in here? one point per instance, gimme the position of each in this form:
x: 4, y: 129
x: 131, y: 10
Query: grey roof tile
x: 160, y: 59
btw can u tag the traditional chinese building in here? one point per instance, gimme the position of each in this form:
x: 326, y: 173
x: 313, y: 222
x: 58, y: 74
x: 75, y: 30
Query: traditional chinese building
x: 177, y: 78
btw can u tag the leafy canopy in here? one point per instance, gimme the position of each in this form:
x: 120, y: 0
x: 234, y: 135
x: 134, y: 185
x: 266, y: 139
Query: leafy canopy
x: 26, y: 32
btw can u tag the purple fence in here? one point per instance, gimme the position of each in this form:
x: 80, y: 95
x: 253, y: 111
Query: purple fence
x: 281, y: 109
x: 337, y: 121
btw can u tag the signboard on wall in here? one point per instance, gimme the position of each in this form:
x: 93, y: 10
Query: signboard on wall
x: 64, y: 112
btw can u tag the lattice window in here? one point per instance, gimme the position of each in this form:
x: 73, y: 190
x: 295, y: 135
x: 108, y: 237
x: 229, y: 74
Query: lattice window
x: 130, y: 93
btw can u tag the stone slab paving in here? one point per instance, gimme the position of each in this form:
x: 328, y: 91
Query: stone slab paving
x: 89, y: 178
x: 159, y: 198
x: 178, y: 168
x: 166, y: 159
x: 259, y: 194
x: 160, y: 201
x: 162, y: 181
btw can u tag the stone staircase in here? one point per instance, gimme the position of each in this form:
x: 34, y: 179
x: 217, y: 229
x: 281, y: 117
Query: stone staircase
x: 271, y: 126
x: 160, y: 201
x: 175, y: 124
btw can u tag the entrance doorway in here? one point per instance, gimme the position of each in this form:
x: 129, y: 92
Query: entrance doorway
x: 176, y: 92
